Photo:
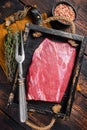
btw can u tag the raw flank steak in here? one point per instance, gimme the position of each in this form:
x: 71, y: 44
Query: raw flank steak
x: 49, y: 73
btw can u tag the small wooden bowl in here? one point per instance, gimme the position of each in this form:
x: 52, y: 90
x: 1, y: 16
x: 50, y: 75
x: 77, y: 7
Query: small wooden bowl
x: 70, y: 7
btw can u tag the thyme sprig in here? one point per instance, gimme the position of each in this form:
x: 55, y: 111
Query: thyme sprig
x: 9, y: 44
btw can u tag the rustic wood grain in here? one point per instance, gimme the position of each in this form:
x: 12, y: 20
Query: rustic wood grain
x: 9, y: 119
x: 8, y: 124
x: 8, y: 7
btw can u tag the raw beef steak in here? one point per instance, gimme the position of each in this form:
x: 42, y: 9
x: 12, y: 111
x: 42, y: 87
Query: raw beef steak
x: 50, y: 71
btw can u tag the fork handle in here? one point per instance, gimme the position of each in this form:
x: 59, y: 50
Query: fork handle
x: 20, y: 70
x: 22, y: 101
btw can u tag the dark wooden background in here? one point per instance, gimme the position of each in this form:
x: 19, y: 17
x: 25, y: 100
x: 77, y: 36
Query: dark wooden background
x: 9, y: 119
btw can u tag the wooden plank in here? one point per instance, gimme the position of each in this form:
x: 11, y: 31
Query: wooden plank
x: 8, y: 7
x: 83, y: 84
x: 79, y: 112
x: 4, y: 92
x: 43, y: 6
x: 79, y: 120
x: 7, y: 124
x: 84, y: 67
x: 81, y: 101
x: 78, y: 116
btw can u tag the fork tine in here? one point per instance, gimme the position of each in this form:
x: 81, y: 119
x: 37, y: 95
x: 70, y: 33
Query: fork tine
x: 16, y: 51
x: 19, y: 57
x: 22, y: 47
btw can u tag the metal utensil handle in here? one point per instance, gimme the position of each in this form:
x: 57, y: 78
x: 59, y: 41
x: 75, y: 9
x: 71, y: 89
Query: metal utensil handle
x: 22, y: 101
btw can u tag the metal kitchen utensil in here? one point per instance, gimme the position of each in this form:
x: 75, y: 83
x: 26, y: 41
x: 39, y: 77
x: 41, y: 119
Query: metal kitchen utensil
x: 22, y: 98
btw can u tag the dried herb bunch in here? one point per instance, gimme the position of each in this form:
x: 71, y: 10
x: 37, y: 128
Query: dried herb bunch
x: 9, y: 44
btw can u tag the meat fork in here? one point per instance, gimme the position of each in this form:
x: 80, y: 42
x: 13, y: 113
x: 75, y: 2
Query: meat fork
x: 22, y: 98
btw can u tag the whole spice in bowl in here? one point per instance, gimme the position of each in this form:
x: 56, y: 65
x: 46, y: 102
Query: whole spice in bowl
x: 64, y: 10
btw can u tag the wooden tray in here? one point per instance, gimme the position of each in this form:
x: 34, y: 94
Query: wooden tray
x: 55, y: 35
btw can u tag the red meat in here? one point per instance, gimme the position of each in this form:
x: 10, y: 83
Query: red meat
x: 50, y: 71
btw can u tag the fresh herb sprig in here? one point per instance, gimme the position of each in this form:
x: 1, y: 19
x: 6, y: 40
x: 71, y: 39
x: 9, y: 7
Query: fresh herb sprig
x: 9, y: 44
